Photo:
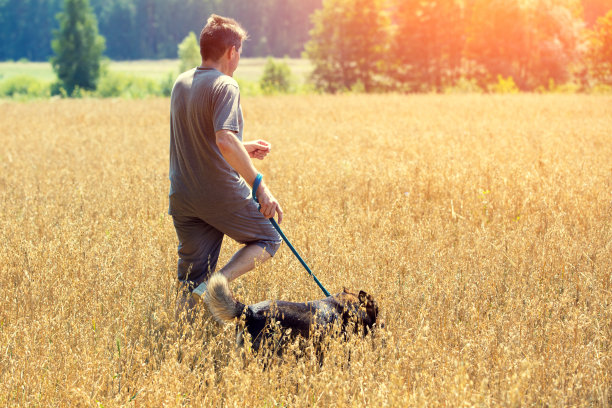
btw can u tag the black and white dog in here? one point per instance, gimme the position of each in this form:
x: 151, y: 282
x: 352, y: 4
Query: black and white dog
x: 347, y: 311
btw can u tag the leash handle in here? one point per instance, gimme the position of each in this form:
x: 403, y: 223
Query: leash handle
x: 256, y: 184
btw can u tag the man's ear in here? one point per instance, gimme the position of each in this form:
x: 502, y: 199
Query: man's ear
x: 362, y: 296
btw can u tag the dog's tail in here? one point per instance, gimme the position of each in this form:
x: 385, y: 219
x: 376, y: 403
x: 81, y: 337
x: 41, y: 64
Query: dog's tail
x: 220, y: 301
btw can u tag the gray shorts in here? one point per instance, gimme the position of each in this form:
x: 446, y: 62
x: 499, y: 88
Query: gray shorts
x: 200, y: 239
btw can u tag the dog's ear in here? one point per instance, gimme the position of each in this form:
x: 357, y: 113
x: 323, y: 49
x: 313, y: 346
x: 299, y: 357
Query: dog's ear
x: 362, y: 297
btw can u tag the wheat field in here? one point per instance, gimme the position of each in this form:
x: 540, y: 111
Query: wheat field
x: 481, y: 224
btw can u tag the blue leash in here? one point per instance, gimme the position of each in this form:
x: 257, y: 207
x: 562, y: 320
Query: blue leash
x: 256, y: 184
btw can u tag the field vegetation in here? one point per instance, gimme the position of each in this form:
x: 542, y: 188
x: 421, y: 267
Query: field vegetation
x: 24, y: 80
x: 482, y: 224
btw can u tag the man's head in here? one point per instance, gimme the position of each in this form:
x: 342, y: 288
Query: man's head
x: 221, y: 37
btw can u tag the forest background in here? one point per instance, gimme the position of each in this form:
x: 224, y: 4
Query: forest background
x: 357, y: 45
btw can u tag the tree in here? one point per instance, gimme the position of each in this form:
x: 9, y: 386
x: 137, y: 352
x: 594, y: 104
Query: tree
x: 276, y: 77
x: 348, y: 44
x: 593, y: 9
x: 276, y: 27
x: 116, y: 21
x: 78, y: 47
x: 532, y: 42
x: 600, y: 51
x: 149, y: 29
x: 189, y: 52
x: 23, y: 23
x: 553, y: 39
x: 287, y: 25
x: 428, y: 43
x: 495, y: 42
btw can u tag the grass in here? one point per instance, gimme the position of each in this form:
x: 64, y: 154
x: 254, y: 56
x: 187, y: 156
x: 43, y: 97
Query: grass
x: 481, y: 224
x: 250, y: 69
x: 39, y: 70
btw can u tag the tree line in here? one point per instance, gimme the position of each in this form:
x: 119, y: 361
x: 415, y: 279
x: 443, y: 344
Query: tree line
x: 433, y: 45
x: 151, y: 29
x: 374, y: 45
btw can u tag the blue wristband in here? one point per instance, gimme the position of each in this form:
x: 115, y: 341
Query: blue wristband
x: 256, y: 184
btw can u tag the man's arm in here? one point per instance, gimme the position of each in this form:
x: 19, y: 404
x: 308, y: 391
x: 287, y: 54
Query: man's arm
x: 237, y: 156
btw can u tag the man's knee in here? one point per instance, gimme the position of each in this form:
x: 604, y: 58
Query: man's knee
x: 269, y: 246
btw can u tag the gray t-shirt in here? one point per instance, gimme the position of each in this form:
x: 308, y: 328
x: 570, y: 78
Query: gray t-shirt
x: 202, y: 182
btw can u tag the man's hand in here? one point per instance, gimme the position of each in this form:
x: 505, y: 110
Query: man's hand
x: 237, y: 155
x: 269, y: 205
x: 257, y: 149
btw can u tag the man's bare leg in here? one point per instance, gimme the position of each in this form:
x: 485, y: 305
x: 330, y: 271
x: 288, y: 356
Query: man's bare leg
x: 243, y: 261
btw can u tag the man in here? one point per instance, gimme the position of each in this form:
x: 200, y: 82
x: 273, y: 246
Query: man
x: 210, y: 167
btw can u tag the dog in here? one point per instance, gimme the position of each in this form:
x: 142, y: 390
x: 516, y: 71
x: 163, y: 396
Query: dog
x: 346, y: 311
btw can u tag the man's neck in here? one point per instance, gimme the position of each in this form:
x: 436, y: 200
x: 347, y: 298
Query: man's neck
x: 218, y: 65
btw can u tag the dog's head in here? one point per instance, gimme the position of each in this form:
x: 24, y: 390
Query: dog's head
x: 368, y: 310
x: 359, y: 308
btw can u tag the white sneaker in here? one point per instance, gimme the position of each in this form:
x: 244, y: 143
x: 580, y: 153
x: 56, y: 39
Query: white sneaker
x: 199, y: 292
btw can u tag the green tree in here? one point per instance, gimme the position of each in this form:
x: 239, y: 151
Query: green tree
x: 600, y: 50
x: 23, y: 23
x: 348, y: 44
x: 276, y: 27
x: 116, y: 21
x: 189, y: 52
x: 148, y: 29
x: 276, y: 77
x: 78, y: 47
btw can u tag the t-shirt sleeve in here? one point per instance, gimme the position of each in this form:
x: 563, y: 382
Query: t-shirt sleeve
x: 226, y: 110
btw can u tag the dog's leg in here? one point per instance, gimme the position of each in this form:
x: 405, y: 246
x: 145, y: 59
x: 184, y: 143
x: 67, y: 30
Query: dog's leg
x: 239, y: 337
